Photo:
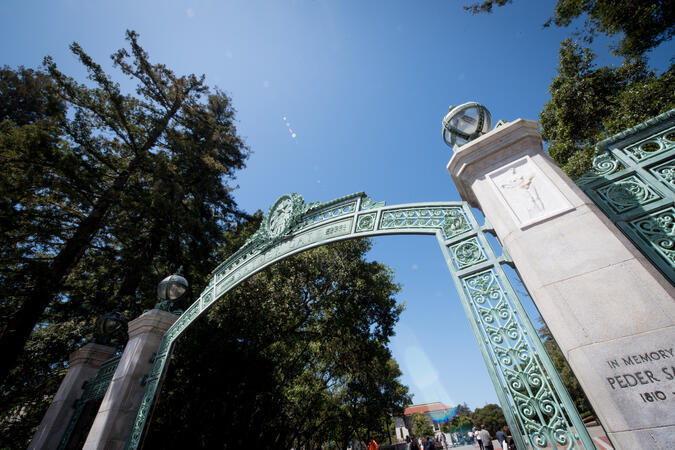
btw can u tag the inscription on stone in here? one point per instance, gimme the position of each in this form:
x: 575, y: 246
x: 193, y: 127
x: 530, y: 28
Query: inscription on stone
x: 650, y: 371
x: 637, y: 377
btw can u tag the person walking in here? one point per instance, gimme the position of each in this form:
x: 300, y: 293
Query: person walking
x: 510, y: 443
x: 501, y: 437
x: 477, y: 435
x: 485, y: 438
x: 443, y: 440
x: 414, y: 443
x: 372, y: 445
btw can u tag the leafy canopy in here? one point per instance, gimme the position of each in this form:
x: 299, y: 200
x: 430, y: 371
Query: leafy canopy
x: 104, y: 193
x: 294, y: 357
x: 590, y: 103
x: 640, y: 26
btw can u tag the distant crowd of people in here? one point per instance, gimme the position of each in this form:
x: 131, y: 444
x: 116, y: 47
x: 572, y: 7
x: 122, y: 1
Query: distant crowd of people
x: 481, y: 436
x: 439, y: 442
x: 484, y: 439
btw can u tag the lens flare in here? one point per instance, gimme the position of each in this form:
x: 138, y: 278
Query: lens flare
x: 288, y: 125
x: 443, y: 415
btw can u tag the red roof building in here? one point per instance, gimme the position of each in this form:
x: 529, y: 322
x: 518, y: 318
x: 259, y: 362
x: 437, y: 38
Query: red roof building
x: 426, y: 408
x: 436, y: 412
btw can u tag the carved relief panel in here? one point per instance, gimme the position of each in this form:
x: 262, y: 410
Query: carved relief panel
x: 527, y: 193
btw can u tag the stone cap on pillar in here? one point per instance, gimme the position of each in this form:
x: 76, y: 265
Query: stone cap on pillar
x: 92, y: 354
x: 154, y: 321
x: 491, y: 150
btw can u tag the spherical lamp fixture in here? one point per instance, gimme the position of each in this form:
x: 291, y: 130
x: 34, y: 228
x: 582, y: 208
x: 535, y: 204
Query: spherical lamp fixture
x: 170, y: 289
x: 465, y: 123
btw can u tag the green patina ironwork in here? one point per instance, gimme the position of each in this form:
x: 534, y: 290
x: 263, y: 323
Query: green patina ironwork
x: 633, y: 181
x: 94, y: 389
x: 536, y: 405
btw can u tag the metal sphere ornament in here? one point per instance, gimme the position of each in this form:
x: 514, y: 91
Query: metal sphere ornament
x: 172, y: 287
x: 465, y: 123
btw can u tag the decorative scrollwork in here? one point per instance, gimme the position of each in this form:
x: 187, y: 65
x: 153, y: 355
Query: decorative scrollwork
x: 450, y: 220
x: 539, y: 409
x: 467, y: 253
x: 605, y: 164
x: 645, y: 149
x: 652, y: 146
x: 666, y: 172
x: 627, y: 193
x: 367, y: 203
x: 658, y: 229
x: 365, y: 222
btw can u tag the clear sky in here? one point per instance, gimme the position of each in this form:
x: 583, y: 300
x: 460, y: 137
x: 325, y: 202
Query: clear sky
x: 363, y: 85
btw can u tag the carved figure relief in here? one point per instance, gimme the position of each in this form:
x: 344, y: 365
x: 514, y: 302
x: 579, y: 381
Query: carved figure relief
x: 524, y: 184
x: 528, y: 194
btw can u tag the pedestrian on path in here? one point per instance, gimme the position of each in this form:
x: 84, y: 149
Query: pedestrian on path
x: 501, y: 437
x: 485, y: 438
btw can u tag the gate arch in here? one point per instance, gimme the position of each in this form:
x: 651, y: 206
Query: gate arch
x: 536, y: 405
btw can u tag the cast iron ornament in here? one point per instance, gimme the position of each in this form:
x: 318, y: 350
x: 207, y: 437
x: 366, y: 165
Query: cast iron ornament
x: 465, y: 123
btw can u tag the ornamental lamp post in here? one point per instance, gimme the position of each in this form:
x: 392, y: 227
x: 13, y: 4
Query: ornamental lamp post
x: 172, y: 288
x: 465, y: 123
x: 111, y: 326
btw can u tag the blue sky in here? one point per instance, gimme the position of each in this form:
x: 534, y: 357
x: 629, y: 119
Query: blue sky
x: 363, y: 85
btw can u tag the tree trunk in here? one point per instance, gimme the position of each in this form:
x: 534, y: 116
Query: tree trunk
x: 134, y: 274
x: 21, y: 324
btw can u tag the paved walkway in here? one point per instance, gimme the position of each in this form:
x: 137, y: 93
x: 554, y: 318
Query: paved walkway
x: 601, y: 442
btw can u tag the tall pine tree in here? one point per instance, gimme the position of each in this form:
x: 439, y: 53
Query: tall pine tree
x: 103, y: 193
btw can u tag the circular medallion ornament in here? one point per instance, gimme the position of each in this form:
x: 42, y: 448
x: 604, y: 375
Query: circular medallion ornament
x: 279, y: 218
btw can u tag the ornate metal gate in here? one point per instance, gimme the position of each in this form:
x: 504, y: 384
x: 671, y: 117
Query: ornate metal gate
x: 87, y: 406
x: 633, y: 181
x: 536, y: 405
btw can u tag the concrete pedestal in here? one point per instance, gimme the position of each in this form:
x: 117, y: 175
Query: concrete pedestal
x: 82, y: 365
x: 118, y: 408
x: 609, y: 309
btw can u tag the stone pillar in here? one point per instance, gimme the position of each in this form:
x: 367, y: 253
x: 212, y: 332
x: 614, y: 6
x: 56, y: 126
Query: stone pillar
x: 82, y: 365
x: 118, y: 408
x: 609, y: 309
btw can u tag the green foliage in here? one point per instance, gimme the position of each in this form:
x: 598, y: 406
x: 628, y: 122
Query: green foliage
x: 296, y: 356
x: 422, y: 425
x: 103, y: 194
x: 491, y: 416
x: 590, y: 103
x: 640, y: 25
x: 560, y: 363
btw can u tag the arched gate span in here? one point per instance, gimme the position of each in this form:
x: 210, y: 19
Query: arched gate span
x: 536, y: 405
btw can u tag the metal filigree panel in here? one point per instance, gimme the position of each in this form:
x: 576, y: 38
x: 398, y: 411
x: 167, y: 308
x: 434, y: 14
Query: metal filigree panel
x: 658, y: 230
x: 652, y: 146
x: 291, y: 226
x: 627, y: 193
x: 665, y: 172
x: 94, y: 389
x: 539, y: 411
x: 633, y: 181
x: 467, y: 253
x: 451, y: 220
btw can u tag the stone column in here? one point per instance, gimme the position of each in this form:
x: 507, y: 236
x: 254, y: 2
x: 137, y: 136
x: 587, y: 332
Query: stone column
x: 609, y: 309
x: 82, y: 365
x: 118, y: 408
